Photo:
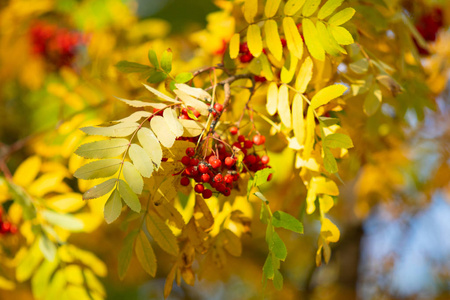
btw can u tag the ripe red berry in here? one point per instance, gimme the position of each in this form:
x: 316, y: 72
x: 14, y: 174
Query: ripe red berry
x: 190, y: 151
x: 203, y: 168
x: 218, y: 178
x: 241, y: 138
x: 260, y: 78
x: 228, y: 178
x: 212, y: 158
x: 259, y: 139
x: 207, y: 194
x: 269, y: 177
x: 234, y: 130
x: 194, y: 161
x: 185, y: 160
x: 265, y: 159
x: 245, y: 58
x: 229, y: 161
x: 227, y: 192
x: 184, y: 181
x: 243, y: 48
x: 13, y: 229
x: 216, y: 163
x: 248, y: 144
x: 199, y: 188
x: 251, y: 159
x: 206, y: 178
x: 218, y: 107
x: 283, y: 43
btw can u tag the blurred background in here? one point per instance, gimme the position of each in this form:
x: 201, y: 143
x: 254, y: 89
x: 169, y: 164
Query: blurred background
x: 57, y: 73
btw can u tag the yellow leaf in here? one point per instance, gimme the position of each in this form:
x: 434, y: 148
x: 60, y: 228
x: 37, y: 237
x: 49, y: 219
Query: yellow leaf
x: 328, y: 8
x: 159, y: 127
x: 271, y: 7
x: 202, y: 214
x: 6, y: 284
x: 292, y: 7
x: 232, y: 243
x: 327, y: 94
x: 310, y: 132
x: 326, y: 203
x: 298, y: 122
x: 273, y: 39
x: 311, y: 39
x: 194, y: 92
x: 327, y: 41
x: 342, y: 16
x: 171, y: 119
x: 234, y: 45
x: 293, y: 39
x: 272, y: 98
x: 145, y: 254
x: 66, y: 203
x: 254, y: 40
x: 169, y: 281
x: 27, y: 171
x: 49, y: 182
x: 161, y: 233
x: 325, y: 186
x: 283, y: 106
x: 329, y: 231
x: 310, y: 7
x: 341, y: 35
x: 201, y: 107
x: 289, y: 68
x: 304, y: 75
x: 250, y: 10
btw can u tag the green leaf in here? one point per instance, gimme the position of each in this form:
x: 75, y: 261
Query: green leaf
x: 100, y: 189
x: 131, y: 67
x: 264, y: 215
x: 166, y: 60
x: 278, y: 280
x: 312, y: 42
x: 145, y: 254
x: 184, y: 77
x: 151, y: 145
x: 153, y: 58
x: 342, y: 16
x: 328, y: 8
x: 156, y: 76
x: 262, y: 175
x: 338, y: 140
x: 132, y: 177
x: 103, y: 149
x: 47, y: 247
x: 22, y: 198
x: 268, y: 270
x: 310, y: 7
x: 254, y: 40
x: 56, y: 286
x: 278, y: 247
x: 161, y: 233
x: 126, y: 253
x: 141, y: 160
x: 360, y: 66
x: 65, y: 221
x: 98, y: 169
x: 373, y: 100
x: 129, y: 197
x: 327, y: 94
x: 117, y: 130
x: 113, y: 207
x: 329, y: 162
x: 286, y: 221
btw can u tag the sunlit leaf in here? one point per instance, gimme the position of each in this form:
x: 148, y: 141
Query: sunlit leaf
x: 27, y: 171
x: 117, y: 130
x: 289, y: 69
x: 254, y: 40
x: 310, y: 7
x: 128, y: 196
x: 159, y: 127
x: 159, y: 94
x: 327, y: 41
x: 161, y: 233
x: 136, y: 116
x: 273, y: 39
x: 131, y: 67
x: 328, y: 8
x: 312, y: 42
x: 284, y: 109
x: 329, y: 162
x: 304, y: 75
x: 286, y: 221
x: 194, y: 92
x: 234, y: 45
x: 188, y: 100
x: 98, y: 169
x: 138, y: 103
x: 327, y: 94
x: 250, y: 10
x: 133, y: 177
x: 153, y: 58
x: 298, y: 122
x: 103, y: 149
x: 151, y: 145
x: 145, y: 254
x: 338, y: 140
x: 292, y: 7
x: 65, y: 221
x: 100, y: 189
x: 183, y: 77
x: 329, y: 230
x: 47, y: 247
x: 171, y: 119
x: 310, y: 133
x: 342, y: 16
x: 166, y: 60
x: 272, y: 98
x: 293, y: 39
x: 341, y: 35
x: 113, y: 207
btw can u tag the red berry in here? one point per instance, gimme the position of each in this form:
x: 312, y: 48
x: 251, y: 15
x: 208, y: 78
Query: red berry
x: 221, y: 187
x: 248, y: 144
x: 218, y: 107
x: 229, y: 161
x: 207, y: 193
x: 228, y: 178
x: 194, y: 161
x: 227, y: 192
x: 184, y: 181
x: 260, y: 78
x: 13, y: 229
x: 269, y: 177
x: 234, y: 130
x: 216, y: 163
x: 203, y: 168
x: 241, y: 138
x: 185, y: 160
x: 218, y: 178
x: 245, y: 58
x: 265, y: 159
x: 283, y: 43
x: 251, y: 159
x: 199, y: 188
x: 192, y: 171
x: 190, y: 151
x: 211, y: 159
x: 243, y: 48
x: 259, y: 139
x: 206, y: 178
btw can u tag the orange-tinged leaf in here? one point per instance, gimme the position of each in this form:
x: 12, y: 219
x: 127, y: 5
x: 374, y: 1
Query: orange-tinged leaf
x: 254, y: 40
x: 304, y: 75
x: 283, y: 106
x: 234, y: 45
x: 161, y: 233
x: 27, y: 171
x: 298, y: 122
x: 292, y: 7
x: 272, y: 98
x: 327, y: 94
x: 273, y: 39
x: 293, y: 39
x: 202, y: 214
x: 250, y: 10
x: 271, y: 8
x: 144, y: 253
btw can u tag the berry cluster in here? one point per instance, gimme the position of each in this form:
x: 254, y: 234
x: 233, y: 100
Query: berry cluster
x: 56, y: 45
x: 219, y: 170
x: 5, y: 226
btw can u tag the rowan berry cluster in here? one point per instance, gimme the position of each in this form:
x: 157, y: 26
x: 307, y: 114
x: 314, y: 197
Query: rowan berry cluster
x: 5, y: 226
x: 57, y: 45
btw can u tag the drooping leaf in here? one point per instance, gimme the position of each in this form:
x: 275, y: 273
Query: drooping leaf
x: 131, y: 67
x: 327, y: 94
x: 309, y: 134
x: 328, y: 8
x: 145, y: 254
x: 266, y: 67
x: 103, y: 149
x: 342, y: 16
x: 153, y: 58
x: 273, y: 39
x: 373, y: 100
x: 161, y: 233
x: 117, y: 130
x: 304, y: 75
x: 272, y: 98
x: 65, y: 221
x: 278, y: 280
x: 254, y: 40
x: 268, y: 270
x: 100, y: 189
x: 98, y: 169
x: 284, y: 110
x: 292, y: 7
x: 151, y: 145
x: 329, y: 230
x: 47, y: 247
x: 126, y: 253
x: 338, y: 140
x: 310, y: 7
x: 129, y: 197
x: 183, y: 77
x: 293, y: 39
x: 298, y: 122
x: 113, y: 207
x: 133, y: 177
x: 166, y: 60
x: 159, y: 127
x: 311, y: 40
x: 289, y: 69
x: 329, y: 162
x: 234, y: 45
x: 286, y: 221
x: 278, y: 247
x: 250, y: 10
x: 172, y: 121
